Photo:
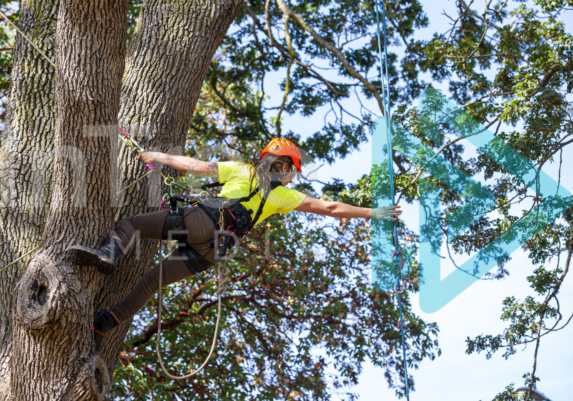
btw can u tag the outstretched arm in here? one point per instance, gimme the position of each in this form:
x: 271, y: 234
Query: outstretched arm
x: 183, y: 164
x: 342, y: 210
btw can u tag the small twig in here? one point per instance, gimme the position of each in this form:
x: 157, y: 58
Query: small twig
x: 330, y: 47
x: 287, y: 83
x: 483, y: 19
x: 542, y: 315
x: 284, y: 52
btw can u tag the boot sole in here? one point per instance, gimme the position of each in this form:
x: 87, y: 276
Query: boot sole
x: 86, y: 257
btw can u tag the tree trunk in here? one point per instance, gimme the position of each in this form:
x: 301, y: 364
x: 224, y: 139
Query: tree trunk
x: 26, y: 159
x: 53, y: 352
x: 168, y: 58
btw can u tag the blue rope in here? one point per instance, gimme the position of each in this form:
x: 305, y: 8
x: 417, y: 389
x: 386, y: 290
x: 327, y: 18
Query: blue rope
x: 385, y: 82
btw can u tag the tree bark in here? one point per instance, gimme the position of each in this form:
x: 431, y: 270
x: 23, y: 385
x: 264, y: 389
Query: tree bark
x: 52, y: 353
x: 26, y: 159
x: 168, y: 59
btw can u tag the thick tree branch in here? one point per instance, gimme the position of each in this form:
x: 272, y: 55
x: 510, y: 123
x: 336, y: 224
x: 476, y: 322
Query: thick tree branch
x: 285, y: 53
x: 330, y: 47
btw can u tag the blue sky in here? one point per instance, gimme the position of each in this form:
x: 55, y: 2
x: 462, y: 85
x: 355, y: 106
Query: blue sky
x: 456, y: 376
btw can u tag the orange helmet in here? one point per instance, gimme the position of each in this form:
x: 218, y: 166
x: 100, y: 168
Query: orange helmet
x: 284, y: 147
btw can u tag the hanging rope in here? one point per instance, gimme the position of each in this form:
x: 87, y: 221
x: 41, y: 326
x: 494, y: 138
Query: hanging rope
x: 398, y: 259
x: 27, y: 38
x: 223, y: 280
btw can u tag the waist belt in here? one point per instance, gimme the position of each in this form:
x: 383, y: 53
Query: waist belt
x: 237, y: 220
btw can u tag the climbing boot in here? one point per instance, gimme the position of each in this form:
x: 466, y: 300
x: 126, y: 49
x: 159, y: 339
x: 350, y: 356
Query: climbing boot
x: 104, y: 321
x: 104, y: 259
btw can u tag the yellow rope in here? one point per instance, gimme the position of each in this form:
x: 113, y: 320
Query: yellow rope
x: 28, y: 39
x: 21, y: 257
x: 136, y: 181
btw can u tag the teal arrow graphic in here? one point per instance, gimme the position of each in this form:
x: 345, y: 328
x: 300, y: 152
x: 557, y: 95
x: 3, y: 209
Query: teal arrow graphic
x: 436, y: 111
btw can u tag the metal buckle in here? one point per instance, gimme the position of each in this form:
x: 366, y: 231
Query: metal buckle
x: 222, y: 254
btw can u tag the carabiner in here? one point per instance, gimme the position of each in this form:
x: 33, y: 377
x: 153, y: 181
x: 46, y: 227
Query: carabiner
x: 397, y: 285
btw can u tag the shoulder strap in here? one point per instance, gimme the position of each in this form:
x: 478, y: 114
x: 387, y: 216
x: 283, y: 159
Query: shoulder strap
x: 259, y: 212
x: 274, y: 185
x: 246, y: 198
x: 211, y: 185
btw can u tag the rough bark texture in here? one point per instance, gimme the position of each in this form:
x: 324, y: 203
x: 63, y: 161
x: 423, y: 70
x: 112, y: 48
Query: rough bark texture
x: 52, y: 348
x: 26, y: 159
x: 167, y: 63
x: 52, y: 354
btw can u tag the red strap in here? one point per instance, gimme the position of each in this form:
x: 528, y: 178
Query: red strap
x: 231, y: 213
x: 98, y: 332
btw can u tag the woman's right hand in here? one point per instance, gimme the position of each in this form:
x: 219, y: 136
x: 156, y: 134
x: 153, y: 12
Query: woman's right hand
x: 149, y: 157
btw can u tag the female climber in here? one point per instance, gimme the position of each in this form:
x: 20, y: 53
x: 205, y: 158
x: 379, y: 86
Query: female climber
x: 251, y: 192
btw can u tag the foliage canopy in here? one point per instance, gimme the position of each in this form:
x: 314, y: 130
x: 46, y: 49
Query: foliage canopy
x: 309, y: 306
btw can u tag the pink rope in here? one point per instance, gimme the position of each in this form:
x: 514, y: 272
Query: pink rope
x: 163, y: 203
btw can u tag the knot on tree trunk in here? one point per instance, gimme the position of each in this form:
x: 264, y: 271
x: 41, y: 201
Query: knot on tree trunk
x: 93, y: 382
x: 100, y: 382
x: 41, y: 293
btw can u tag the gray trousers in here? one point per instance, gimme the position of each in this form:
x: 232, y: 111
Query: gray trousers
x: 200, y: 231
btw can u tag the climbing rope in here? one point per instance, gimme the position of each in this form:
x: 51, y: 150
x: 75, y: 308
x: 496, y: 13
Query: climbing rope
x: 223, y: 272
x: 397, y: 257
x: 16, y: 261
x: 27, y: 38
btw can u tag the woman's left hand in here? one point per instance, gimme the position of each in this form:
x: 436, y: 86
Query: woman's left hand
x: 386, y: 213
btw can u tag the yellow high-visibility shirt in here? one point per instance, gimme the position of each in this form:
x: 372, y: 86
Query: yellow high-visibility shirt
x: 236, y: 179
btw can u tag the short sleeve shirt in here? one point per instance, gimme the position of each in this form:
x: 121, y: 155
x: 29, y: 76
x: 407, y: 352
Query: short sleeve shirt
x: 236, y: 179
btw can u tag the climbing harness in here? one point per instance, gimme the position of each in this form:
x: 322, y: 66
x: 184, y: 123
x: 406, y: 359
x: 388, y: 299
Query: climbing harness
x: 397, y: 257
x: 232, y: 221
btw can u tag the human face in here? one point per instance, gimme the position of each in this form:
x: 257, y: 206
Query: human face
x: 286, y: 178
